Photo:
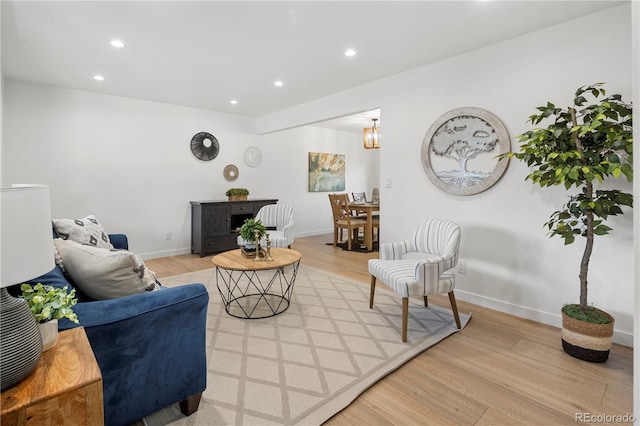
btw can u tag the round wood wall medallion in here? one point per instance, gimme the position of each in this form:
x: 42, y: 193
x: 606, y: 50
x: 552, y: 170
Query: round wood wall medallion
x: 460, y: 148
x: 231, y: 172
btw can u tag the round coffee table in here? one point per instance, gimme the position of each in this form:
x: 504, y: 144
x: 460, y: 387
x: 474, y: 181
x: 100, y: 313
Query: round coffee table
x: 252, y: 289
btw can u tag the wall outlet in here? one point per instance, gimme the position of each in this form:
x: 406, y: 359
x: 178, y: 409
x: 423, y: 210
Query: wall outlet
x: 462, y: 266
x: 167, y: 235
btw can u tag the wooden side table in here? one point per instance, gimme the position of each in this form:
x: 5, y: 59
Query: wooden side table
x: 64, y: 389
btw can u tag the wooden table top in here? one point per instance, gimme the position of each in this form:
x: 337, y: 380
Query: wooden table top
x: 234, y: 260
x: 372, y: 206
x: 69, y: 365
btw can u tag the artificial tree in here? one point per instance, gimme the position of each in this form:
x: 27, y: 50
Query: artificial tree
x: 583, y: 143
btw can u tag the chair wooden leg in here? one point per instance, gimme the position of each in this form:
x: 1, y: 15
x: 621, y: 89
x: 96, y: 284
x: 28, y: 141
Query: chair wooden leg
x: 335, y: 237
x: 405, y: 318
x: 349, y: 239
x: 373, y: 291
x: 454, y: 308
x: 426, y: 301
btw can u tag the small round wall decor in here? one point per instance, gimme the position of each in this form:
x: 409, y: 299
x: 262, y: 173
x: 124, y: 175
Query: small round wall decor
x: 459, y: 151
x: 231, y: 172
x: 205, y: 146
x: 252, y: 156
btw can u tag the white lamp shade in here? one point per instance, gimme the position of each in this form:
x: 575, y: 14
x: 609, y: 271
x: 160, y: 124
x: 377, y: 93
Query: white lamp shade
x: 26, y: 249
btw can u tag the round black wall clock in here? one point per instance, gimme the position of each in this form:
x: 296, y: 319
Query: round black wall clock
x: 205, y: 146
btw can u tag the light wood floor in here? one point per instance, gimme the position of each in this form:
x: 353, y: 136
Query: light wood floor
x: 499, y: 370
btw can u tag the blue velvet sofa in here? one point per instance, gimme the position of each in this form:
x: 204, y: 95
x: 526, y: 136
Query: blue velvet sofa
x: 150, y: 347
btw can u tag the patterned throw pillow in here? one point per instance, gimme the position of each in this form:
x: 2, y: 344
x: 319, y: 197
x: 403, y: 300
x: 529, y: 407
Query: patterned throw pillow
x: 87, y: 231
x: 105, y: 274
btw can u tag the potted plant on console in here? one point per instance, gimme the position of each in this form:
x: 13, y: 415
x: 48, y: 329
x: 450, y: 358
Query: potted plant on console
x: 48, y: 304
x: 248, y: 233
x: 237, y: 194
x: 586, y: 142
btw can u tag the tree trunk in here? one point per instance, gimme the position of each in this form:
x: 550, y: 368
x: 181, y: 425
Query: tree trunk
x: 588, y: 192
x: 462, y: 161
x: 588, y: 248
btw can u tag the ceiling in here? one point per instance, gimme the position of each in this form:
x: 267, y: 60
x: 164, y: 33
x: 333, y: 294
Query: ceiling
x: 203, y: 54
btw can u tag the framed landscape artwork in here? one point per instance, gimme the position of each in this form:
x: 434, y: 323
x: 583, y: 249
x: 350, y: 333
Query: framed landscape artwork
x: 326, y: 172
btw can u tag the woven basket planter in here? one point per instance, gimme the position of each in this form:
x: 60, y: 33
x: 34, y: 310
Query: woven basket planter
x: 237, y: 197
x: 587, y: 341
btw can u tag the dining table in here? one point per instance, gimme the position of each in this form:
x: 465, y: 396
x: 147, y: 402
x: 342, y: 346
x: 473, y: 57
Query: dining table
x: 369, y: 209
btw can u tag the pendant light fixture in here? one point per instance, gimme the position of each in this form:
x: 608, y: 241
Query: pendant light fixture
x: 372, y: 136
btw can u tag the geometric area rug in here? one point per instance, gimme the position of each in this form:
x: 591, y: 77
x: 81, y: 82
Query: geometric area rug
x: 306, y: 364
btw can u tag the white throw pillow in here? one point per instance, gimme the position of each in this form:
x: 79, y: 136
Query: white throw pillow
x: 105, y: 274
x: 87, y: 231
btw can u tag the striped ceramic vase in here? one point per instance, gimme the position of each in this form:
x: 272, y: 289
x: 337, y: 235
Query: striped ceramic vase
x: 585, y: 340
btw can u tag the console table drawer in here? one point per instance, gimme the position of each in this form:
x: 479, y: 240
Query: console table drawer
x: 222, y: 243
x: 242, y: 208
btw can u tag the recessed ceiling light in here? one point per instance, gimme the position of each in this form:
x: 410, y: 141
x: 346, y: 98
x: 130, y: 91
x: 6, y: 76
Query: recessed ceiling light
x: 98, y: 77
x: 278, y: 83
x: 233, y: 102
x: 117, y: 43
x: 350, y: 52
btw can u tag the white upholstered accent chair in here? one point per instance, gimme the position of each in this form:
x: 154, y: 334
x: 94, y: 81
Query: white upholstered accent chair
x: 420, y: 266
x: 278, y: 218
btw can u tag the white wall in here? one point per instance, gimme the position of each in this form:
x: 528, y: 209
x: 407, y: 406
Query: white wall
x: 124, y: 160
x: 511, y: 264
x: 635, y: 12
x: 128, y: 162
x: 289, y: 154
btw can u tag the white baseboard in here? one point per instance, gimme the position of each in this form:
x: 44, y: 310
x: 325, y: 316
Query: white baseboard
x: 312, y: 233
x: 621, y: 337
x: 553, y: 319
x: 165, y: 253
x: 187, y: 250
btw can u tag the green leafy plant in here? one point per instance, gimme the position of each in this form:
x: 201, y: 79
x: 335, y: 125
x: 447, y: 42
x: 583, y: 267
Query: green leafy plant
x: 237, y: 191
x: 249, y: 228
x: 48, y: 303
x: 583, y: 143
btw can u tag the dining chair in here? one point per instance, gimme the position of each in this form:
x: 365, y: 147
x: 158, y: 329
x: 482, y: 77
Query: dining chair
x: 343, y: 219
x: 359, y: 197
x: 420, y: 266
x: 375, y: 196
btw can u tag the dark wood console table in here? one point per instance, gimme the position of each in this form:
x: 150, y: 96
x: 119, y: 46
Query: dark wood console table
x: 215, y: 224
